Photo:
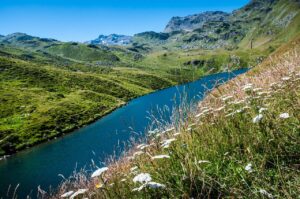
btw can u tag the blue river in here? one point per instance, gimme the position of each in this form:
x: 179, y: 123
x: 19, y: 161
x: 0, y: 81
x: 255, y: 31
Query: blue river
x: 41, y: 165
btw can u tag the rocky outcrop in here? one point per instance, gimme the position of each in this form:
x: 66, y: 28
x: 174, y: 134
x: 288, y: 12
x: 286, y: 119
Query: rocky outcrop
x: 196, y: 21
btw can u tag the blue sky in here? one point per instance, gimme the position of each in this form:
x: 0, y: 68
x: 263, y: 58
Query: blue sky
x: 82, y: 20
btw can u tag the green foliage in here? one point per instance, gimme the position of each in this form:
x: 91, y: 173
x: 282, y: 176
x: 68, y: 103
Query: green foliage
x: 82, y: 52
x: 41, y: 100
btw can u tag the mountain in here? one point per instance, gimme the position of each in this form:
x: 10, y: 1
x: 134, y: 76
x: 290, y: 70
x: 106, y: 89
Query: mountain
x: 26, y: 41
x: 70, y: 50
x: 259, y: 24
x: 112, y: 40
x: 193, y: 22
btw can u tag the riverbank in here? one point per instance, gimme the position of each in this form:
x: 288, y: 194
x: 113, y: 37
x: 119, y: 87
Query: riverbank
x: 242, y: 142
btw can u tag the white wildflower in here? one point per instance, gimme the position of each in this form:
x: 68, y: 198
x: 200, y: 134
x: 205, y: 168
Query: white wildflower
x: 286, y: 78
x: 158, y: 135
x: 239, y: 102
x: 284, y: 116
x: 203, y: 161
x: 123, y: 180
x: 133, y: 168
x: 203, y: 108
x: 139, y: 146
x: 142, y: 178
x: 139, y: 188
x: 198, y: 115
x: 155, y: 131
x: 265, y: 193
x: 220, y: 109
x: 67, y: 194
x: 160, y: 157
x: 169, y: 129
x: 144, y: 146
x: 98, y: 172
x: 166, y: 143
x: 138, y: 153
x: 239, y: 111
x: 151, y: 133
x: 263, y: 93
x: 226, y: 98
x: 79, y: 192
x: 248, y: 168
x: 257, y: 89
x: 248, y: 87
x: 230, y: 114
x: 203, y: 112
x: 262, y: 110
x: 257, y: 118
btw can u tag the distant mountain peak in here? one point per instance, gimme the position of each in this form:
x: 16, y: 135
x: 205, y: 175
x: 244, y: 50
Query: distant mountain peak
x: 112, y: 39
x: 196, y: 21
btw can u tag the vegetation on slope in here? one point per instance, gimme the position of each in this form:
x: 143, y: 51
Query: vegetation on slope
x: 43, y: 97
x: 243, y: 141
x: 83, y: 52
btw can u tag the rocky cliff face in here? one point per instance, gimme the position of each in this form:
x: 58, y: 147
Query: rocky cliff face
x: 196, y: 21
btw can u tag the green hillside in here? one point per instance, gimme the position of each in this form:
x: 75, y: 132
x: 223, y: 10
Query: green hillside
x: 81, y: 52
x: 43, y: 97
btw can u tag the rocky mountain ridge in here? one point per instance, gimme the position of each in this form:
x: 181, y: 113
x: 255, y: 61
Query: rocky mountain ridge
x: 259, y: 23
x: 192, y: 22
x: 112, y: 40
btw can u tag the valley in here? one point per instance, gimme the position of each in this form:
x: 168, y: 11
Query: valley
x: 49, y: 88
x: 102, y: 111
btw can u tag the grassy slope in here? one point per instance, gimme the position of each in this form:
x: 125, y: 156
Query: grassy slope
x: 219, y: 151
x: 43, y: 97
x: 82, y: 52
